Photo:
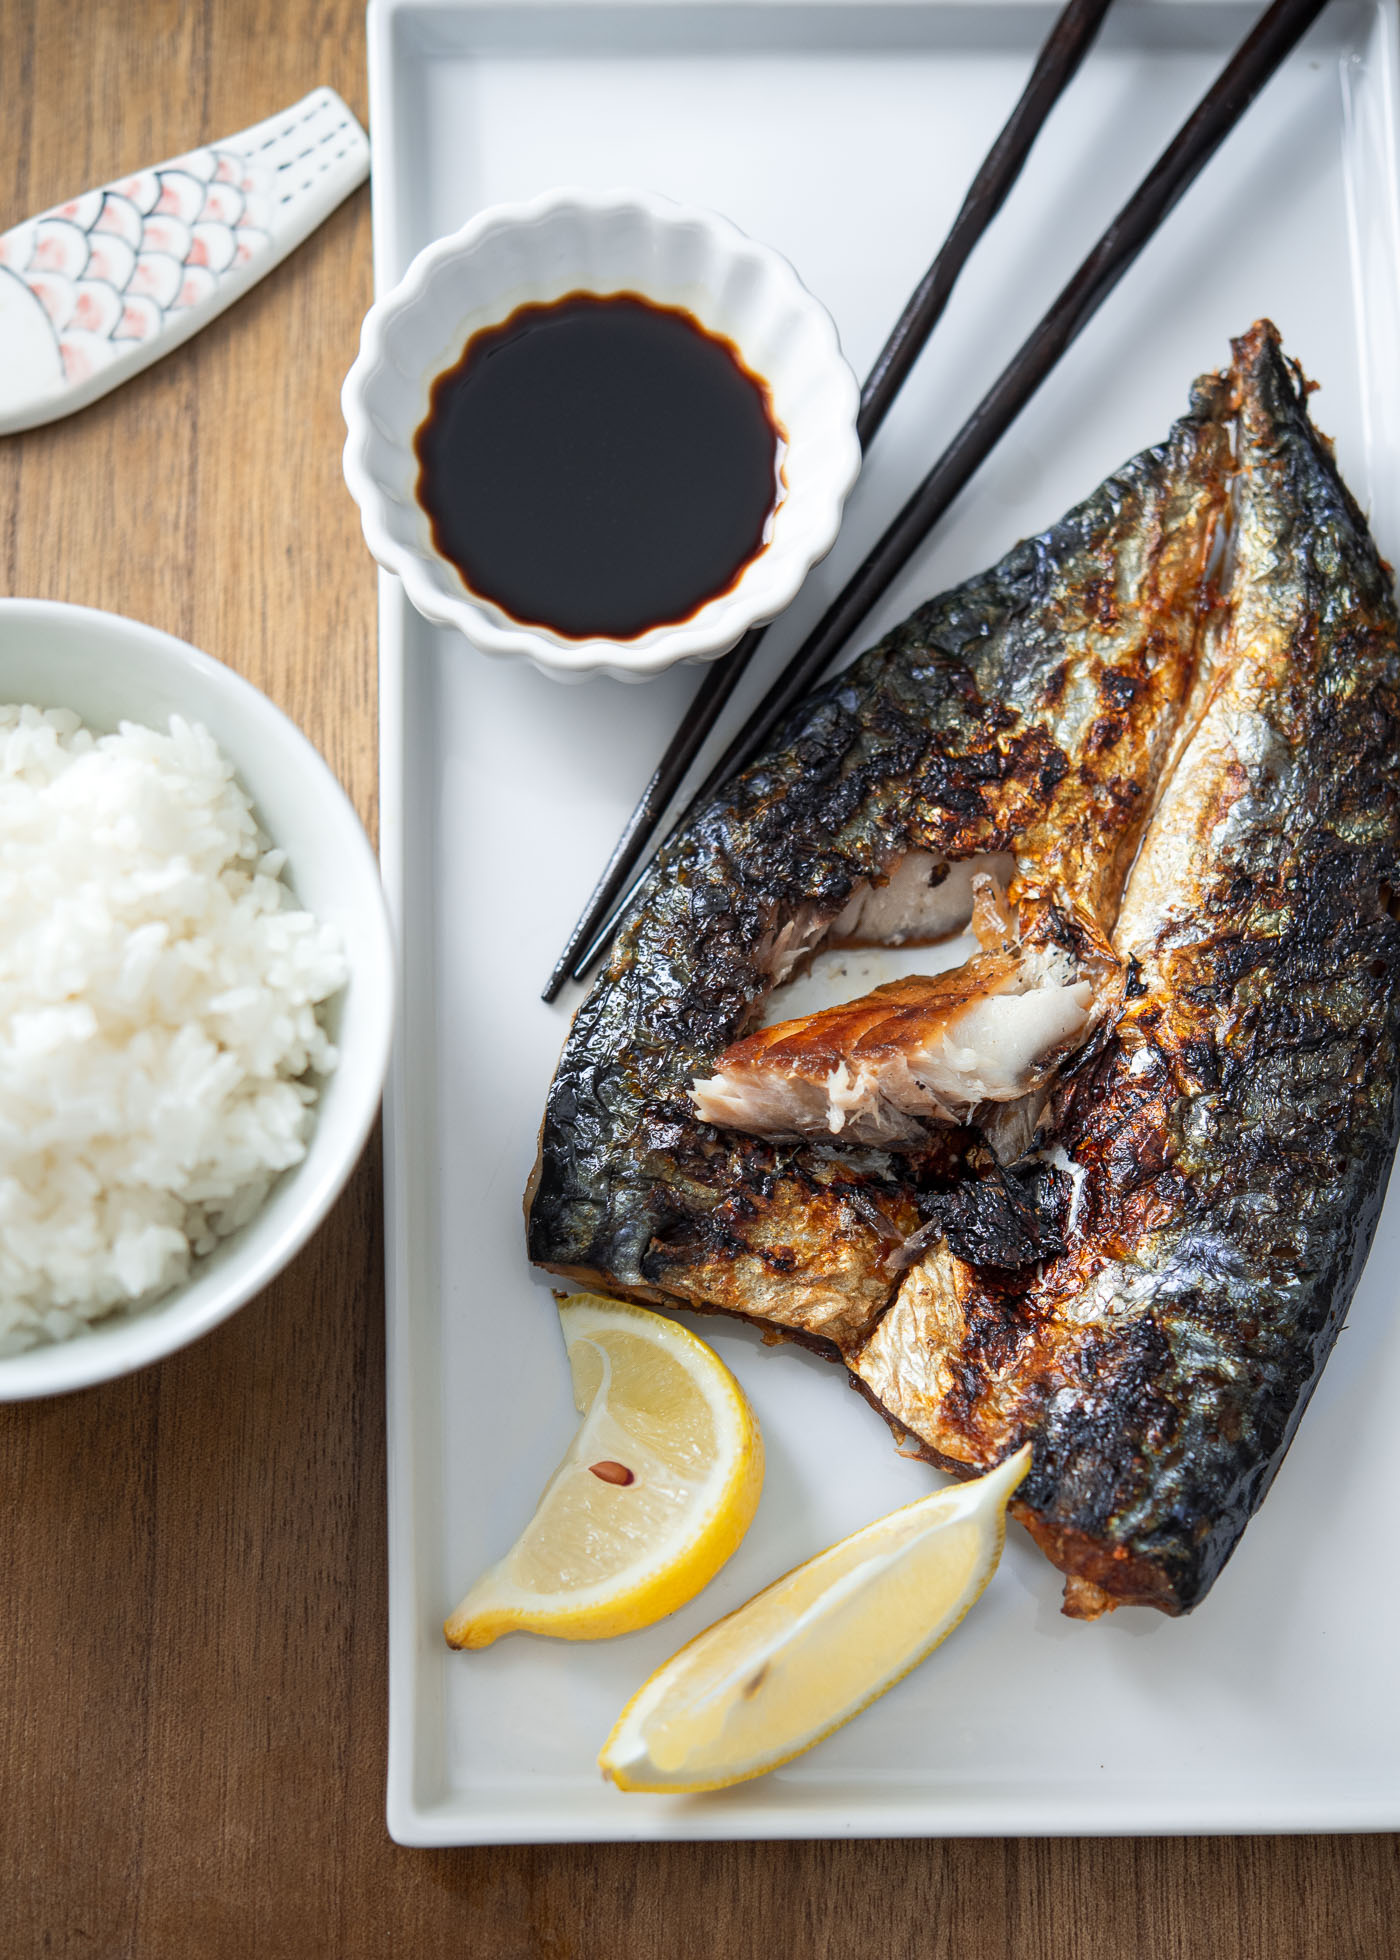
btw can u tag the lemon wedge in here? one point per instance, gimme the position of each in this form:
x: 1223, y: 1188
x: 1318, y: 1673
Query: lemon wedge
x: 660, y: 1484
x: 810, y: 1651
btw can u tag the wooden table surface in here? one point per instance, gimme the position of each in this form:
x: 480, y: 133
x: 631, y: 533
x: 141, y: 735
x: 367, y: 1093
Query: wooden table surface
x: 192, y: 1669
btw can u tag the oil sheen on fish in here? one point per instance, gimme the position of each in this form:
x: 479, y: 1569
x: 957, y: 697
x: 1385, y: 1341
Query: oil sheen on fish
x: 1138, y: 1265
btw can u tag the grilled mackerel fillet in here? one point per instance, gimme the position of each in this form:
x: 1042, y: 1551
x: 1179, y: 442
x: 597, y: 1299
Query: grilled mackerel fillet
x: 1021, y: 720
x: 1153, y: 1315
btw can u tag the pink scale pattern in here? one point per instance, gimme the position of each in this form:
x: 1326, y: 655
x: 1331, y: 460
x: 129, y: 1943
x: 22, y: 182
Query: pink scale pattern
x: 127, y: 263
x: 181, y: 225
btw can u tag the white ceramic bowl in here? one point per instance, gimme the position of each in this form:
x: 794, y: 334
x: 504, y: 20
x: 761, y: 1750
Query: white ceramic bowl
x: 601, y: 242
x: 109, y: 669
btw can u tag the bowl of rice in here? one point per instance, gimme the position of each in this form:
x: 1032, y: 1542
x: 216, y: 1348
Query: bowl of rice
x: 196, y: 994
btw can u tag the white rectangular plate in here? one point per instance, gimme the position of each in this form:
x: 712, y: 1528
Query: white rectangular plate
x: 845, y: 134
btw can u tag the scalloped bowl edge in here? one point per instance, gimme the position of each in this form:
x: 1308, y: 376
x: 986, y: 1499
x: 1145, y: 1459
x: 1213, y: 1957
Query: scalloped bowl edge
x: 570, y: 240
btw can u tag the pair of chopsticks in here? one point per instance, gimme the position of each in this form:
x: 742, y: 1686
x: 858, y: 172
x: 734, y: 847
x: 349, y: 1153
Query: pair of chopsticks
x: 1254, y: 62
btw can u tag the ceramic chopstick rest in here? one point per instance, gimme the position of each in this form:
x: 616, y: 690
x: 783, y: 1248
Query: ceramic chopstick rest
x: 101, y: 286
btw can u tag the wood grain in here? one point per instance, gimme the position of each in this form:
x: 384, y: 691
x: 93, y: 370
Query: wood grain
x: 192, y: 1672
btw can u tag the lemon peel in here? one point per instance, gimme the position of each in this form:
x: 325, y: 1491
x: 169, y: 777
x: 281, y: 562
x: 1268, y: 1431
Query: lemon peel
x: 658, y: 1487
x: 802, y: 1657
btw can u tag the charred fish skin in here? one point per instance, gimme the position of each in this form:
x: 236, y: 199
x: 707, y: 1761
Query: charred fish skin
x: 1237, y: 1130
x: 1027, y: 711
x: 1270, y: 1018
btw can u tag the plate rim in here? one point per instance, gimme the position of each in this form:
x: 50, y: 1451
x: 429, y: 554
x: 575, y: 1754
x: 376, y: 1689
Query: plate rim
x: 418, y: 1817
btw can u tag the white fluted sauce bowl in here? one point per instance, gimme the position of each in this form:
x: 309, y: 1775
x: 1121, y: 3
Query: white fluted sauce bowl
x: 606, y: 242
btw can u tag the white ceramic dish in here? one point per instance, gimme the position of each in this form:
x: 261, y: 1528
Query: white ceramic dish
x: 603, y: 242
x: 846, y: 133
x: 109, y: 669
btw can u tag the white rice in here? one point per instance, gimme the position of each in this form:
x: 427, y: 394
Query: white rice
x: 158, y: 1016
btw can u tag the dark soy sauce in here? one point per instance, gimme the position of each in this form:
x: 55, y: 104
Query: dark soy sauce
x: 598, y: 465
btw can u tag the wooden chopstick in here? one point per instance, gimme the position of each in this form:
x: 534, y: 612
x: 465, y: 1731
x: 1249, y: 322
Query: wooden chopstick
x: 1065, y: 48
x: 1254, y: 62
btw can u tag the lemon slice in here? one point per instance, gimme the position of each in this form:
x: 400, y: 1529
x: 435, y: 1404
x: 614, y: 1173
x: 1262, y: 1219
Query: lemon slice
x: 659, y: 1486
x: 814, y: 1648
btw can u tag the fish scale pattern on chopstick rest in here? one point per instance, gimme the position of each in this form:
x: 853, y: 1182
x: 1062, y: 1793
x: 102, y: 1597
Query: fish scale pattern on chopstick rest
x: 102, y: 285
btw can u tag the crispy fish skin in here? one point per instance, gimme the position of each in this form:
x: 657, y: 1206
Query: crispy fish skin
x: 1237, y: 1129
x: 1028, y: 711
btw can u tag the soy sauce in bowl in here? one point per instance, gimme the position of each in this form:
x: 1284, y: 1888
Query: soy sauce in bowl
x: 599, y: 465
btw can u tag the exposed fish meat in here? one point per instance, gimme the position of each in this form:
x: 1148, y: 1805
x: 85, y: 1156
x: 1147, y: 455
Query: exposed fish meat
x: 931, y: 1047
